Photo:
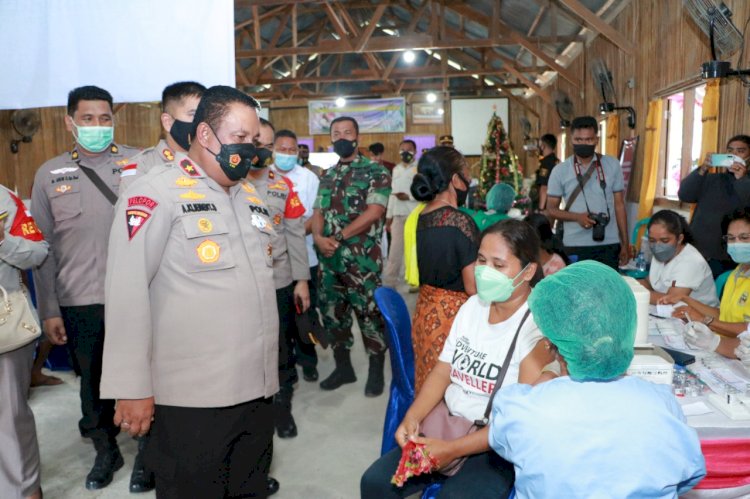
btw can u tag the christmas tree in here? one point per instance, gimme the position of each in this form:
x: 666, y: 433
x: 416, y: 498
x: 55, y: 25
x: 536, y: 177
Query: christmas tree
x: 500, y: 164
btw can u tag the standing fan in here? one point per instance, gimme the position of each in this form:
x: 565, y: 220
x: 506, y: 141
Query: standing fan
x: 603, y: 81
x: 26, y: 123
x: 564, y: 108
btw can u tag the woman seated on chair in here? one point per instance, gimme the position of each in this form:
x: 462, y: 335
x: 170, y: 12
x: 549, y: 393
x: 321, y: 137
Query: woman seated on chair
x: 677, y: 268
x: 593, y: 432
x: 478, y: 344
x: 552, y: 254
x: 447, y: 244
x: 733, y: 314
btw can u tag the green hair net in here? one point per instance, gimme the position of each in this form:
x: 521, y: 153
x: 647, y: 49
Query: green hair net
x: 500, y: 198
x: 588, y: 311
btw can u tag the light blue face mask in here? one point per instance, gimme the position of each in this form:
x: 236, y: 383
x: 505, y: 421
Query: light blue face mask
x: 739, y: 252
x: 94, y: 138
x: 285, y: 162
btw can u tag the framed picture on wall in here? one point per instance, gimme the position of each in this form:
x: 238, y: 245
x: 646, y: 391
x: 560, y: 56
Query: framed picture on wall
x: 426, y: 113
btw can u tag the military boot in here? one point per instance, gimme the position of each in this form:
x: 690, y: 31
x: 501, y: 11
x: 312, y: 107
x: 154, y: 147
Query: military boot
x: 108, y: 460
x: 344, y: 372
x: 142, y: 479
x: 283, y: 419
x: 375, y: 381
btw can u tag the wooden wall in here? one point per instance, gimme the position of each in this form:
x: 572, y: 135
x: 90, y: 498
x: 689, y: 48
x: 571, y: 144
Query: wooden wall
x: 135, y: 124
x: 670, y: 49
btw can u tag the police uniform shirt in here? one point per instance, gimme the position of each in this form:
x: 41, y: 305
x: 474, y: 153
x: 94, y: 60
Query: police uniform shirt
x: 75, y: 218
x: 23, y: 245
x: 290, y: 262
x: 545, y: 169
x: 142, y: 163
x: 191, y: 312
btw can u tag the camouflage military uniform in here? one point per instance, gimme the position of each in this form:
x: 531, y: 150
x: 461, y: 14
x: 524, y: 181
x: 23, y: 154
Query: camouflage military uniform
x: 349, y: 278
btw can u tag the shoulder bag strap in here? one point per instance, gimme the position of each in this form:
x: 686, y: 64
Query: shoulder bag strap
x: 99, y: 183
x: 579, y: 187
x: 501, y: 374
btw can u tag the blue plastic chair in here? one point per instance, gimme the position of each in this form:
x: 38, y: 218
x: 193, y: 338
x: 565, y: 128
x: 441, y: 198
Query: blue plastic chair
x: 398, y: 335
x: 721, y: 281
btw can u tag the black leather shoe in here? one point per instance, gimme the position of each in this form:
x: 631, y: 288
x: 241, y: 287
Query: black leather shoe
x: 272, y: 486
x: 375, y: 381
x: 342, y: 374
x: 142, y: 479
x: 286, y: 428
x: 106, y: 463
x: 310, y: 373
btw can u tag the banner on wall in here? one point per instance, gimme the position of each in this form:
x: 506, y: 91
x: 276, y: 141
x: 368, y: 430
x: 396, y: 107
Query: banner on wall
x: 627, y: 157
x: 372, y: 115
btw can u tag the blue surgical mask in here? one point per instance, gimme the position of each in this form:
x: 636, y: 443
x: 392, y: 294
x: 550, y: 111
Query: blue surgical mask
x: 284, y: 162
x: 739, y: 252
x: 493, y: 285
x: 94, y: 138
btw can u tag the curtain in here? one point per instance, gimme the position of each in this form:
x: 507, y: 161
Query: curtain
x: 710, y: 119
x: 613, y: 135
x: 650, y: 158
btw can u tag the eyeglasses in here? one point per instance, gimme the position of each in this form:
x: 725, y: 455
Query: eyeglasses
x: 742, y: 238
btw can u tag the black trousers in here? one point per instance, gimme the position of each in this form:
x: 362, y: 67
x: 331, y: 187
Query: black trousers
x: 292, y: 350
x: 84, y: 326
x: 306, y: 354
x: 608, y: 254
x: 484, y: 475
x: 211, y: 453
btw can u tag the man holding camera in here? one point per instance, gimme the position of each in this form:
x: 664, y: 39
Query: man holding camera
x: 593, y: 189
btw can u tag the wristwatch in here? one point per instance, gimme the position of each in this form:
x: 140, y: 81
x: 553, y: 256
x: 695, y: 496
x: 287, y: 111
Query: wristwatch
x: 339, y: 237
x: 707, y: 320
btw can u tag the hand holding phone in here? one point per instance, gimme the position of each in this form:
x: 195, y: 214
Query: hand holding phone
x: 725, y: 160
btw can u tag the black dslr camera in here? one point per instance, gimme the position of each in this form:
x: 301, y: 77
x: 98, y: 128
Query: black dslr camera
x: 600, y: 222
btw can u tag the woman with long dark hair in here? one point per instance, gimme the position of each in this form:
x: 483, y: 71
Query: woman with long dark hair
x: 447, y: 244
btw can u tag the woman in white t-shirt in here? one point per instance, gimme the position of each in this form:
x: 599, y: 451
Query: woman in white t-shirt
x: 507, y: 267
x: 677, y: 268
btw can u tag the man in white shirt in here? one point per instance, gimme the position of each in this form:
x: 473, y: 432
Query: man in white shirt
x: 400, y: 204
x: 305, y: 184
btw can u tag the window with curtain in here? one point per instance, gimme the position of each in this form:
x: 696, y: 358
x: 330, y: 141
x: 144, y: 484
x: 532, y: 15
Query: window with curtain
x: 682, y: 132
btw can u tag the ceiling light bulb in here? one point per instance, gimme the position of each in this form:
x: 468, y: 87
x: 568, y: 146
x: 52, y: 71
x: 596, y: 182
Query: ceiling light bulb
x: 409, y: 56
x: 431, y: 97
x: 340, y: 102
x: 441, y: 111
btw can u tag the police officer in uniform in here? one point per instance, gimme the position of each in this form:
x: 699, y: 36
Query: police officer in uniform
x: 547, y: 146
x: 72, y: 200
x: 192, y: 338
x: 178, y: 104
x: 347, y: 228
x: 291, y: 274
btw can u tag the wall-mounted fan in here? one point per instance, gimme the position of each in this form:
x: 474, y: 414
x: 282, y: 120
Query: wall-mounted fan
x: 715, y: 20
x: 26, y: 123
x: 565, y: 109
x: 529, y: 143
x: 603, y: 81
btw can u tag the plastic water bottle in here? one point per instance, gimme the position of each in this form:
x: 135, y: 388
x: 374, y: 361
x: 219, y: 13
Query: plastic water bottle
x: 640, y: 262
x: 678, y: 381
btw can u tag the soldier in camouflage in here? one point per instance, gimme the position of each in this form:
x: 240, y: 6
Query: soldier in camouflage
x: 347, y: 229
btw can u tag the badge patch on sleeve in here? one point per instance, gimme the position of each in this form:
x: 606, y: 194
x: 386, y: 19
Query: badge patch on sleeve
x: 142, y: 201
x: 23, y: 223
x: 294, y: 208
x: 135, y: 219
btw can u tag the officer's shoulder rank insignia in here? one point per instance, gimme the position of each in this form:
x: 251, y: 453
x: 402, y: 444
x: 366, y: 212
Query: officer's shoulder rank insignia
x: 187, y: 166
x: 168, y: 154
x: 192, y: 195
x: 114, y: 149
x: 248, y: 187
